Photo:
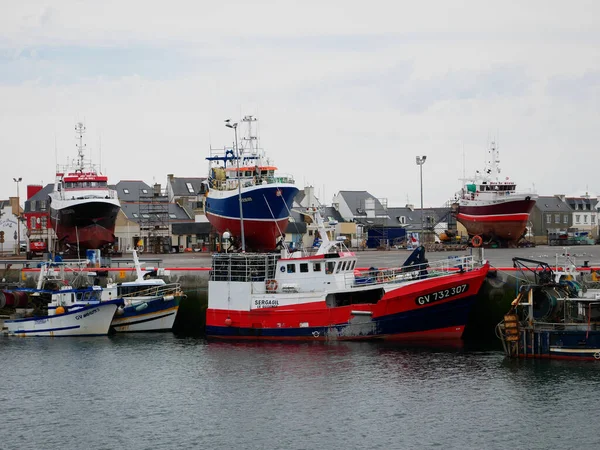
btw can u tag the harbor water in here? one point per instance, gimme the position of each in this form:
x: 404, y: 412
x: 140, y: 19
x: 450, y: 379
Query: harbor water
x: 160, y: 391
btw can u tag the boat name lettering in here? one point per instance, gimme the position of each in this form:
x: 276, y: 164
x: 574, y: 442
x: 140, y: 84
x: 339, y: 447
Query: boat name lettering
x: 40, y: 321
x: 266, y: 303
x: 441, y: 295
x: 89, y: 313
x: 246, y: 199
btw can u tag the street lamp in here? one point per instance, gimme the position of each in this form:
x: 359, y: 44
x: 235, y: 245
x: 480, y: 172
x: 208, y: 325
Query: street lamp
x: 420, y: 162
x: 228, y: 124
x: 18, y: 180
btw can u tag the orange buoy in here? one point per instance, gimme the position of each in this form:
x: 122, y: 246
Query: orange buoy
x: 60, y: 310
x: 477, y: 241
x: 228, y: 322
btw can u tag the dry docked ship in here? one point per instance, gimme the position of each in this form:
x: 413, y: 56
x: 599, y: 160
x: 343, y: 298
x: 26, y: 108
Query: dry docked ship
x: 83, y: 209
x: 490, y: 208
x: 247, y: 178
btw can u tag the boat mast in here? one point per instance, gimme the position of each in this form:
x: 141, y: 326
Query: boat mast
x: 494, y: 162
x: 80, y: 130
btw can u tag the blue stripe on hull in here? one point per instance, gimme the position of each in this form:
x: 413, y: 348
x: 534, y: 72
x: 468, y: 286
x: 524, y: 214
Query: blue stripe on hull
x: 452, y: 314
x: 154, y: 306
x: 47, y: 330
x: 255, y: 203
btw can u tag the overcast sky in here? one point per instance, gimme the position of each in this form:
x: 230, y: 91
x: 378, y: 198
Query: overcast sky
x: 347, y: 92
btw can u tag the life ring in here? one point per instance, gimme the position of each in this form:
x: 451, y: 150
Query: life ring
x: 271, y: 285
x: 477, y: 241
x: 597, y: 355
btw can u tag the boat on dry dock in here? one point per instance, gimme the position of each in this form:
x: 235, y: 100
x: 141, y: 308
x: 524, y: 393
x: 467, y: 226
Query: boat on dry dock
x: 323, y: 296
x: 490, y: 207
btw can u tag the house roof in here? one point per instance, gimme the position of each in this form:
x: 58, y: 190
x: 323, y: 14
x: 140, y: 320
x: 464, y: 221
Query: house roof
x: 176, y: 212
x: 356, y: 202
x: 179, y: 186
x: 41, y: 195
x: 131, y: 190
x: 552, y: 203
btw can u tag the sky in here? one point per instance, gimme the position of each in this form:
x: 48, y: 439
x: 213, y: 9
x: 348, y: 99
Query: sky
x: 347, y: 93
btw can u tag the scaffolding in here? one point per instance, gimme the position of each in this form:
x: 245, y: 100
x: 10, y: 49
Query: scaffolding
x: 154, y: 220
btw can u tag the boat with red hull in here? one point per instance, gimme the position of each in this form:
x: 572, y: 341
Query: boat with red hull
x: 244, y: 176
x: 324, y: 296
x: 83, y: 209
x: 491, y: 207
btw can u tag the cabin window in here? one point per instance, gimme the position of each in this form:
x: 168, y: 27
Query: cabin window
x: 344, y: 266
x: 339, y: 266
x: 352, y: 266
x: 78, y: 295
x: 316, y: 267
x: 329, y: 267
x: 291, y: 268
x: 304, y: 267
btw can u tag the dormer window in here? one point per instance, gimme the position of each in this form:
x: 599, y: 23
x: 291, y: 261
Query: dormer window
x: 125, y: 191
x: 190, y: 188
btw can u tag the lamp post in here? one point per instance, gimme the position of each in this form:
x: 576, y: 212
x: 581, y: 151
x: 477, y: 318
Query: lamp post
x: 18, y: 180
x: 228, y: 124
x: 420, y: 162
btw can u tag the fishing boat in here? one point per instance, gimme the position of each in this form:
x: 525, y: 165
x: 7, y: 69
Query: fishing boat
x: 242, y: 178
x: 555, y: 315
x: 149, y: 304
x: 325, y: 296
x: 62, y: 310
x: 490, y: 207
x: 83, y: 208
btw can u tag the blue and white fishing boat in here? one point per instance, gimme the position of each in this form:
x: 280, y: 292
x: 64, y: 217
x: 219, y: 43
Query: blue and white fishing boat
x: 68, y: 311
x: 149, y: 304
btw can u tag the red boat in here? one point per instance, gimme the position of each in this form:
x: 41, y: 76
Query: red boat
x: 491, y: 207
x: 324, y: 296
x: 83, y: 209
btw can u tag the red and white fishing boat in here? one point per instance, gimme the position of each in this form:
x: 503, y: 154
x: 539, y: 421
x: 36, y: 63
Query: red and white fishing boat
x: 491, y: 207
x: 324, y: 296
x: 83, y: 209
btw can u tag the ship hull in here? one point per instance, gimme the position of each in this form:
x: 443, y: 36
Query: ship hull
x: 435, y: 309
x: 265, y: 213
x: 87, y: 224
x: 505, y: 220
x: 158, y: 315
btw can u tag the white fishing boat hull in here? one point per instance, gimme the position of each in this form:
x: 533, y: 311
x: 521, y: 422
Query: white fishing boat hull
x: 90, y: 320
x: 158, y: 314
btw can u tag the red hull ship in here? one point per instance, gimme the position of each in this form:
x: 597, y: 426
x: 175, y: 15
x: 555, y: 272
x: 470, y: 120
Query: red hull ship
x: 325, y: 297
x: 492, y: 208
x: 83, y: 209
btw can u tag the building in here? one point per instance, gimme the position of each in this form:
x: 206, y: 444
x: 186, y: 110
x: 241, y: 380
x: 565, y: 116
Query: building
x: 550, y: 214
x: 37, y: 219
x: 585, y: 213
x: 189, y: 193
x: 10, y: 211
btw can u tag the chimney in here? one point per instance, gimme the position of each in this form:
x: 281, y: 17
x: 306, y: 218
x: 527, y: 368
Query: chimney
x: 156, y: 189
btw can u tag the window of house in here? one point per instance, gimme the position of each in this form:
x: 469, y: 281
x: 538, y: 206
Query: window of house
x: 548, y: 218
x: 316, y: 267
x: 42, y: 205
x: 291, y: 268
x: 44, y: 222
x: 146, y: 216
x: 32, y: 222
x: 566, y: 219
x: 189, y: 187
x: 172, y: 216
x: 585, y: 217
x: 304, y: 267
x: 556, y: 218
x: 145, y: 191
x: 136, y: 215
x: 310, y: 232
x: 125, y: 191
x: 577, y: 217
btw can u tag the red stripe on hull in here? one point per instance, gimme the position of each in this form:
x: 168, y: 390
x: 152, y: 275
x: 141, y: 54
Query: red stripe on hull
x: 429, y: 335
x: 258, y: 234
x: 493, y: 218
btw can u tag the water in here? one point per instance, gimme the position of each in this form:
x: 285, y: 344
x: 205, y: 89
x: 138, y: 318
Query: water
x: 158, y: 391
